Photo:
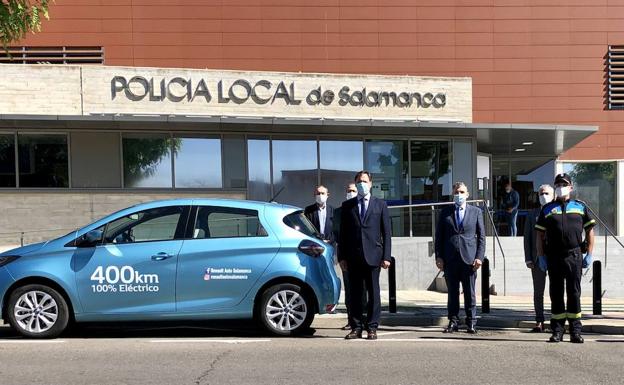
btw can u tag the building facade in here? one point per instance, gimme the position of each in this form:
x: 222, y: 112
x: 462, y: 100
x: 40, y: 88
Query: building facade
x: 542, y: 79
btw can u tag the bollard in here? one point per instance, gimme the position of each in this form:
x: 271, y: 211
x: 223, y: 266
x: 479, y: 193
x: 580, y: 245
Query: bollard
x: 22, y: 239
x: 392, y: 286
x: 485, y: 286
x: 597, y: 288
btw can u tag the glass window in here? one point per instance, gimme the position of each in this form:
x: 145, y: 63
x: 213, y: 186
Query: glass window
x: 300, y: 222
x: 388, y: 163
x: 340, y: 161
x: 259, y: 169
x: 595, y: 184
x: 226, y: 222
x: 43, y: 160
x: 7, y: 160
x: 147, y: 160
x: 430, y: 181
x: 234, y: 162
x: 158, y: 224
x: 197, y: 162
x: 295, y: 169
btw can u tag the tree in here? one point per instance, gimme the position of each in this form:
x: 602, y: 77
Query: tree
x: 20, y: 16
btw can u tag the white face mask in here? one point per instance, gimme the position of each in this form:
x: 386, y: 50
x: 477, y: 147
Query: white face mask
x: 363, y: 188
x: 562, y: 192
x: 544, y: 199
x: 508, y: 189
x: 351, y: 195
x: 459, y: 199
x: 321, y: 199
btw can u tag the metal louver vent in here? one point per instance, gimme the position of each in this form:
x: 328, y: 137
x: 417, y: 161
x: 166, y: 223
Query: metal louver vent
x: 52, y: 55
x: 616, y: 77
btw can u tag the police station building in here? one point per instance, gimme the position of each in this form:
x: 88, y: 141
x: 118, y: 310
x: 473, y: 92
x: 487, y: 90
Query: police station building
x: 78, y: 142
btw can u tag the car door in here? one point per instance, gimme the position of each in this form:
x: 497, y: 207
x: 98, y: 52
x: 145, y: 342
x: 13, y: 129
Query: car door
x: 228, y: 250
x: 133, y: 270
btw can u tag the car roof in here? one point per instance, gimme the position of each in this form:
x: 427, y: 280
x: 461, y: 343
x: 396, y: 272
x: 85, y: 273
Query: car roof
x: 240, y: 203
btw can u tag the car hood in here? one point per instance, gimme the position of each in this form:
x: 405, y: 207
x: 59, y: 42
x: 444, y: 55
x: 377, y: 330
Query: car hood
x: 25, y: 249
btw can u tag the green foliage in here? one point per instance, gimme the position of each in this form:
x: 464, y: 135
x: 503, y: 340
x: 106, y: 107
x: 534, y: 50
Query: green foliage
x: 142, y: 156
x: 20, y: 16
x: 587, y: 173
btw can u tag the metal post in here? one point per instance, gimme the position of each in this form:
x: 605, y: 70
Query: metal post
x: 22, y: 238
x: 597, y: 288
x: 485, y: 286
x: 605, y: 246
x: 392, y: 285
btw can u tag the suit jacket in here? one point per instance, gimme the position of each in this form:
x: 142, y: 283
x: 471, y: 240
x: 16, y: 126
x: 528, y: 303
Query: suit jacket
x: 530, y: 248
x: 370, y: 238
x: 312, y: 213
x: 467, y: 240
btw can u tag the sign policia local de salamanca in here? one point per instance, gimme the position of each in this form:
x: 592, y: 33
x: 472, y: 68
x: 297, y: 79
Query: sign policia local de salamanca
x: 93, y: 90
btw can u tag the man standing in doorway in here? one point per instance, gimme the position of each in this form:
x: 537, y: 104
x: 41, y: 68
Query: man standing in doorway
x: 511, y: 201
x: 459, y: 251
x: 321, y: 214
x: 364, y: 247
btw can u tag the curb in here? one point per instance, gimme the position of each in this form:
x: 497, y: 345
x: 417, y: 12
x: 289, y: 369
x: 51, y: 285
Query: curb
x: 487, y: 321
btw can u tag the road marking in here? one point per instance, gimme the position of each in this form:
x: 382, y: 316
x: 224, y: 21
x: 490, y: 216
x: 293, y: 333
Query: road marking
x: 208, y: 341
x: 31, y: 342
x: 392, y: 333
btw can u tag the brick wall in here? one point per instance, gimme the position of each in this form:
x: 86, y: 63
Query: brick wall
x: 531, y: 61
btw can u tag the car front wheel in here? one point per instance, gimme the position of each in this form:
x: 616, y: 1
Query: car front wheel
x: 37, y: 311
x: 285, y: 310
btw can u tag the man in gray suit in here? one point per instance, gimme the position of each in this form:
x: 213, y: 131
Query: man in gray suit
x: 459, y: 250
x: 546, y: 195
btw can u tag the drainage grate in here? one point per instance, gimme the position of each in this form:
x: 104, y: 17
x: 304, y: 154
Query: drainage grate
x: 52, y: 55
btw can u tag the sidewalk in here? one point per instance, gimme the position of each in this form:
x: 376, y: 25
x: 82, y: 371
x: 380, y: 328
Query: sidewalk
x: 427, y: 308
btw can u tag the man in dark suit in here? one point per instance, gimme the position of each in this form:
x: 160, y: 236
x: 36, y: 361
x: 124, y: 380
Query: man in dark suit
x: 364, y: 247
x: 459, y: 250
x: 321, y: 214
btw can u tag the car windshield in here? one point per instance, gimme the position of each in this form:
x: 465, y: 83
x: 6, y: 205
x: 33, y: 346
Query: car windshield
x: 299, y: 222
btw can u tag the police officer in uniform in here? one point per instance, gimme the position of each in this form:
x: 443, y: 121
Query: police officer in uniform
x: 559, y: 234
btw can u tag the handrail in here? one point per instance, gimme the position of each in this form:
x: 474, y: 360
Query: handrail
x: 609, y: 232
x: 490, y: 217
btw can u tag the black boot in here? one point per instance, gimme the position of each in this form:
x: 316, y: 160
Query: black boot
x: 556, y: 337
x: 576, y: 338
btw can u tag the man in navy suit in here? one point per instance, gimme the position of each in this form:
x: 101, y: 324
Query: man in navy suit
x: 459, y: 250
x: 321, y: 214
x: 364, y: 248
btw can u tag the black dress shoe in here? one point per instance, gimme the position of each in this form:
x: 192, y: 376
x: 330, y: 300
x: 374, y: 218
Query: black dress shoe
x: 471, y: 330
x: 346, y: 327
x: 371, y: 334
x: 576, y: 338
x: 556, y: 337
x: 451, y: 328
x: 355, y: 333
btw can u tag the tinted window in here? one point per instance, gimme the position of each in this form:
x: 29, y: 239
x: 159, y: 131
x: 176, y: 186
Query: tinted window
x: 197, y: 163
x: 147, y: 160
x: 299, y: 222
x: 7, y: 161
x: 43, y: 160
x: 159, y: 224
x: 226, y: 222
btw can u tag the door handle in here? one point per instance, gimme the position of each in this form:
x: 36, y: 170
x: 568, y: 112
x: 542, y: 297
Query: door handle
x: 161, y: 256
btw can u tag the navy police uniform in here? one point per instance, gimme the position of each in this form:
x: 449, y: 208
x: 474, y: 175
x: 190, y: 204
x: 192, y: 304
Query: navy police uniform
x: 564, y: 224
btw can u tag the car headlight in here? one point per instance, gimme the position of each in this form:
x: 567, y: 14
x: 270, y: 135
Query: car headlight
x: 7, y: 259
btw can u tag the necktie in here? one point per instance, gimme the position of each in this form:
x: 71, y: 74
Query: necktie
x: 362, y: 209
x: 459, y: 218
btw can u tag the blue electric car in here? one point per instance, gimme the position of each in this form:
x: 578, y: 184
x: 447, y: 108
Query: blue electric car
x: 188, y: 259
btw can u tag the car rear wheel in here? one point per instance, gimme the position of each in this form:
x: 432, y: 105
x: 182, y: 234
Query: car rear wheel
x: 285, y: 310
x: 37, y: 311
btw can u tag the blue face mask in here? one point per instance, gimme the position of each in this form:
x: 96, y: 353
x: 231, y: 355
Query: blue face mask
x: 459, y: 199
x: 362, y: 188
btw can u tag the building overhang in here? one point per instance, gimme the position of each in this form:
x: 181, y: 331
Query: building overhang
x: 500, y: 140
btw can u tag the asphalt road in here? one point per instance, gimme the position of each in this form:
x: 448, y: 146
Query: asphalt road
x: 215, y: 354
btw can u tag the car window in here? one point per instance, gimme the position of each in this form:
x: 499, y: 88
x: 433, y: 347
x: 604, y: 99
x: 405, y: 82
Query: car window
x: 158, y: 224
x: 299, y: 222
x: 227, y: 222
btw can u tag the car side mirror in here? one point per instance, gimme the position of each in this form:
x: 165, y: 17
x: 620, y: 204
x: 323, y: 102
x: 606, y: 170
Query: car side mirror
x: 90, y: 238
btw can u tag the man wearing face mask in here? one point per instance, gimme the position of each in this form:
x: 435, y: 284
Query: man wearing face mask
x: 559, y: 233
x: 321, y: 214
x: 459, y: 251
x: 351, y: 192
x: 363, y: 248
x: 511, y: 201
x: 546, y: 195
